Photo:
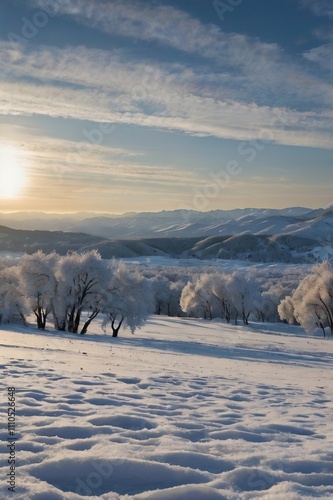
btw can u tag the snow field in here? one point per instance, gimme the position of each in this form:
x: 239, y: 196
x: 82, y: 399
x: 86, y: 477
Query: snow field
x: 184, y: 409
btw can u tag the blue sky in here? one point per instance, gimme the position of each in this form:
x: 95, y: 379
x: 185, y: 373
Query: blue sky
x: 125, y: 105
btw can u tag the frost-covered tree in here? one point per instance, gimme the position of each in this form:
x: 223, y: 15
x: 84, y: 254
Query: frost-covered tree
x: 82, y: 281
x: 60, y: 304
x: 13, y: 303
x: 265, y: 309
x: 161, y: 288
x: 286, y: 310
x: 244, y: 293
x: 38, y: 284
x: 312, y: 300
x: 166, y: 295
x: 197, y: 299
x: 128, y: 299
x: 192, y: 301
x: 173, y: 305
x: 219, y: 287
x: 209, y: 296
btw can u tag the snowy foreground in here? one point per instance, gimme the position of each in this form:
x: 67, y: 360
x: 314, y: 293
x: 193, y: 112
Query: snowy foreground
x: 184, y: 409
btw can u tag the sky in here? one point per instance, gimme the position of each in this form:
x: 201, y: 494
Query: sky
x: 121, y: 106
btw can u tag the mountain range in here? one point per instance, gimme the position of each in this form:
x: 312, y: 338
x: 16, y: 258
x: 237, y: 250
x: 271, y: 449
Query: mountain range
x: 290, y: 235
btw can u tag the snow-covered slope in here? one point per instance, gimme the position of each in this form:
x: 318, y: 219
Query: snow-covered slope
x: 319, y: 228
x: 185, y: 409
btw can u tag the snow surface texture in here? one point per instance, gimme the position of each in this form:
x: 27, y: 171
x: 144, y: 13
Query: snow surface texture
x: 185, y: 409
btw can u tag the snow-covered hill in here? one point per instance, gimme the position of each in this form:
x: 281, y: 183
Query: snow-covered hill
x: 244, y: 246
x: 185, y: 409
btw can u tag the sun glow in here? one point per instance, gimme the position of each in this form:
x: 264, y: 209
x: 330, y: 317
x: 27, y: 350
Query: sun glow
x: 12, y: 172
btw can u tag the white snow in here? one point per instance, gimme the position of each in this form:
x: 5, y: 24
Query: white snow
x: 183, y: 409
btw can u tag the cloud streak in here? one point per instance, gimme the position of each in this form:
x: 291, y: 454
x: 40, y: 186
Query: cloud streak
x: 167, y: 25
x: 173, y: 97
x: 48, y: 157
x: 262, y: 69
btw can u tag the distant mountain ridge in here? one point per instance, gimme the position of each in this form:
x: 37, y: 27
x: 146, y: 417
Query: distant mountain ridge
x: 277, y: 238
x: 307, y: 223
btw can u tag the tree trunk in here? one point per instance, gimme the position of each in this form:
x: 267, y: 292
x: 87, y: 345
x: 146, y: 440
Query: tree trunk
x: 70, y: 322
x: 60, y: 325
x: 329, y: 314
x: 41, y: 318
x: 77, y: 320
x: 87, y: 323
x: 115, y: 329
x: 227, y: 313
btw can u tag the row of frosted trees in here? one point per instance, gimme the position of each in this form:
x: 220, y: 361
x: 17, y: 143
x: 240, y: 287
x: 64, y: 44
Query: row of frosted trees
x: 233, y: 296
x: 72, y: 290
x: 305, y: 299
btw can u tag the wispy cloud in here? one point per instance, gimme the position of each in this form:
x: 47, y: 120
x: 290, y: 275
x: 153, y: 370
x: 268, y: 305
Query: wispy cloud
x: 62, y: 160
x: 93, y: 85
x: 167, y: 25
x: 322, y: 55
x: 115, y: 72
x: 258, y: 68
x: 322, y: 8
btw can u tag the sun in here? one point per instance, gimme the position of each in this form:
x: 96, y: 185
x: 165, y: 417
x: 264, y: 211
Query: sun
x: 12, y: 172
